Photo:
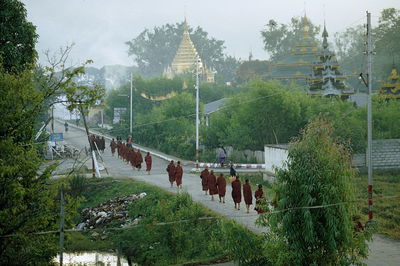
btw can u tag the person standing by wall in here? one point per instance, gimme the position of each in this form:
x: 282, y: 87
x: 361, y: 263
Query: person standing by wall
x: 247, y: 195
x: 222, y: 156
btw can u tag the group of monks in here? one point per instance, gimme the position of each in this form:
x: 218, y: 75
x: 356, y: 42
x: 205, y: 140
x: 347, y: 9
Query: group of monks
x: 128, y: 154
x: 98, y: 142
x: 212, y: 185
x: 175, y: 173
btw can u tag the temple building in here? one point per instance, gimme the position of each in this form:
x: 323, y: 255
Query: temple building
x: 298, y: 65
x: 184, y: 60
x: 391, y: 88
x: 326, y: 79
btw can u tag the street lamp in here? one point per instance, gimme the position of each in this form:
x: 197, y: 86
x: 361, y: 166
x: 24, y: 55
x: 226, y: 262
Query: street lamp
x: 197, y: 111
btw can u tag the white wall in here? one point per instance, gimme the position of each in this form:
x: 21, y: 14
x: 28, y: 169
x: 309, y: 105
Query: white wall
x: 274, y: 157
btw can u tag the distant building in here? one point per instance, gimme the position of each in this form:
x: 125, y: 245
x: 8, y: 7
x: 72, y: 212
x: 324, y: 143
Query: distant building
x: 391, y: 88
x: 326, y: 79
x: 298, y: 65
x: 213, y: 107
x: 185, y: 60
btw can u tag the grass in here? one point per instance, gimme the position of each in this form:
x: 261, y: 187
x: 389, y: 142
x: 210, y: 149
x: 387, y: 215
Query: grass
x: 189, y: 243
x: 386, y: 188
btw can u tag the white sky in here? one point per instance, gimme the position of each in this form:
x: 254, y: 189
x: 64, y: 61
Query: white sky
x: 100, y: 28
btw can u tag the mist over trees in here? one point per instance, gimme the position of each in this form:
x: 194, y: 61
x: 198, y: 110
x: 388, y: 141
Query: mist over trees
x: 154, y: 50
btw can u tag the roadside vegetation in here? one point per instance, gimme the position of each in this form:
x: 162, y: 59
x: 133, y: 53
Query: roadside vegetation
x: 172, y: 229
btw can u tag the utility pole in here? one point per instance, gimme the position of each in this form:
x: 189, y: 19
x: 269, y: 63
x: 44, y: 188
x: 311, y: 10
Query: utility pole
x: 90, y: 141
x: 61, y: 224
x: 130, y: 124
x: 197, y: 111
x: 369, y: 115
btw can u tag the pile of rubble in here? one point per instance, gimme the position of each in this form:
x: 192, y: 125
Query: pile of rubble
x: 112, y: 210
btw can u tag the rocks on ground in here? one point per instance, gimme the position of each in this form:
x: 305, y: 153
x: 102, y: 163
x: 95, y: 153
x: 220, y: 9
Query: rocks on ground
x: 113, y: 210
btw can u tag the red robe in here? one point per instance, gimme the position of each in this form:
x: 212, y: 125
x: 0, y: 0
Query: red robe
x: 237, y: 191
x: 113, y: 145
x: 247, y: 194
x: 178, y: 175
x: 139, y: 160
x: 204, y: 179
x: 148, y: 161
x: 171, y: 172
x: 259, y: 195
x: 212, y: 184
x: 221, y: 184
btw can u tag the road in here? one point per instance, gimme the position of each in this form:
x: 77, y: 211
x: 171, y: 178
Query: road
x: 383, y: 251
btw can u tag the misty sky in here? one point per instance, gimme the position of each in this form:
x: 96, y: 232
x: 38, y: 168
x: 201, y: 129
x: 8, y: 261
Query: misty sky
x: 100, y: 28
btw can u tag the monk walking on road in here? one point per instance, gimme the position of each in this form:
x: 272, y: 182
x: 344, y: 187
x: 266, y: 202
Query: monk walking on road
x: 204, y: 179
x: 259, y: 195
x: 171, y: 172
x: 178, y: 175
x: 221, y: 185
x: 139, y: 160
x: 113, y: 146
x: 212, y: 184
x: 148, y: 161
x: 237, y: 192
x: 247, y: 195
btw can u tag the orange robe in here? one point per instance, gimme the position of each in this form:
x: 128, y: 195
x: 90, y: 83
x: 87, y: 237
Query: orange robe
x: 171, y: 172
x: 178, y: 175
x: 237, y: 191
x: 221, y: 185
x: 139, y: 160
x: 148, y: 161
x: 247, y: 194
x: 204, y: 179
x: 212, y: 184
x: 259, y: 195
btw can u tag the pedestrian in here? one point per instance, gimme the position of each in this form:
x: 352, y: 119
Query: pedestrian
x: 247, y: 194
x: 212, y: 184
x: 222, y: 156
x: 66, y: 126
x: 232, y: 172
x: 129, y: 141
x: 171, y: 172
x: 113, y: 146
x: 237, y: 192
x: 148, y: 161
x: 221, y: 185
x: 139, y: 160
x: 178, y: 174
x: 102, y: 144
x: 204, y: 179
x: 259, y: 195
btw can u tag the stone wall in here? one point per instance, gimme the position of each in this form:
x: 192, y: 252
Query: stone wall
x: 385, y: 155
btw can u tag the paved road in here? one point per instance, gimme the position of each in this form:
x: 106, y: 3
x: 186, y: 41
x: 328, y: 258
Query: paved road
x: 383, y: 251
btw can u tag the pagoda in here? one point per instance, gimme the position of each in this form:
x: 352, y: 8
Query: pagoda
x: 391, y: 88
x: 326, y: 79
x: 185, y: 59
x: 298, y: 65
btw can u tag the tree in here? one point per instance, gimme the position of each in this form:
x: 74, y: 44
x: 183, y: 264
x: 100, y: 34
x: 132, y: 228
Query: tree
x: 17, y: 37
x: 350, y: 46
x: 153, y: 50
x: 316, y: 203
x: 279, y: 39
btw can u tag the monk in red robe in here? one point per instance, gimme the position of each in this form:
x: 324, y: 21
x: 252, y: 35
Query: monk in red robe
x: 113, y: 146
x: 178, y: 175
x: 204, y: 179
x: 148, y: 161
x: 237, y: 192
x: 221, y: 185
x: 171, y: 172
x: 247, y: 195
x: 259, y: 195
x: 139, y: 160
x: 132, y: 157
x: 212, y: 184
